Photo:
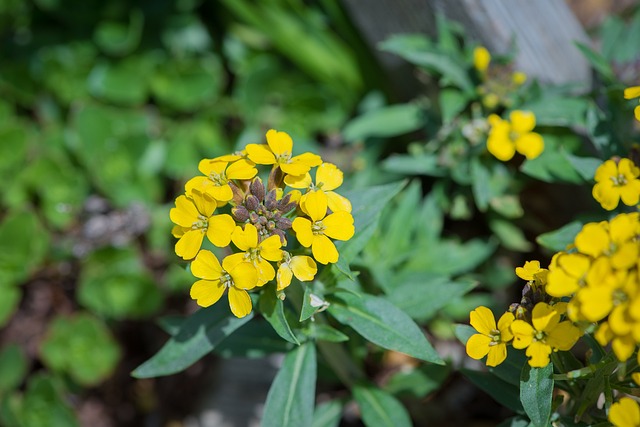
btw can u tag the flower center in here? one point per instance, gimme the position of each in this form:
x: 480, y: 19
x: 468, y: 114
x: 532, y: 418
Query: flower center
x: 201, y: 224
x: 495, y: 337
x: 539, y: 336
x: 226, y: 279
x: 284, y: 157
x: 254, y: 254
x: 619, y: 180
x: 318, y: 228
x: 619, y: 296
x: 219, y: 179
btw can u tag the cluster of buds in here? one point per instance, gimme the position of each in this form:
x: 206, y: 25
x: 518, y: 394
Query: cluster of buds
x: 254, y: 224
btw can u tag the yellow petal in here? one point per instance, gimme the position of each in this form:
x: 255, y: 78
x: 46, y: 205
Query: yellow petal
x: 606, y: 171
x: 478, y: 346
x: 522, y: 334
x: 625, y: 412
x: 239, y: 302
x: 560, y: 284
x: 632, y: 92
x: 329, y: 176
x: 482, y: 320
x: 178, y: 231
x: 593, y: 239
x: 527, y: 271
x: 279, y: 142
x: 481, y: 58
x: 622, y: 228
x: 323, y: 249
x: 284, y: 276
x: 315, y: 205
x: 203, y: 202
x: 185, y: 212
x: 539, y: 354
x: 497, y: 354
x: 339, y: 225
x: 245, y: 275
x: 260, y: 154
x: 245, y: 239
x: 222, y: 193
x: 530, y: 145
x: 206, y: 292
x: 231, y: 261
x: 544, y: 317
x: 576, y: 265
x: 502, y: 148
x: 304, y: 234
x: 212, y: 166
x: 300, y: 181
x: 630, y: 193
x: 242, y: 169
x: 628, y: 169
x: 266, y: 272
x: 504, y: 326
x: 206, y: 266
x: 270, y: 248
x: 303, y: 267
x: 563, y: 336
x: 606, y: 194
x: 522, y: 121
x: 626, y: 256
x: 595, y: 302
x: 623, y: 347
x: 337, y: 203
x: 189, y: 244
x: 220, y: 229
x: 636, y: 113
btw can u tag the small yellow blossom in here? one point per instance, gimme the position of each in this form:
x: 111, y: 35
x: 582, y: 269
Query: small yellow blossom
x: 328, y: 178
x: 630, y: 93
x: 481, y: 59
x: 194, y: 218
x: 235, y: 274
x: 519, y: 78
x: 301, y: 266
x: 615, y: 182
x: 625, y: 413
x: 279, y: 151
x: 530, y: 270
x: 218, y: 173
x: 507, y: 137
x: 492, y: 339
x: 258, y: 253
x: 547, y: 334
x: 317, y: 231
x: 568, y: 274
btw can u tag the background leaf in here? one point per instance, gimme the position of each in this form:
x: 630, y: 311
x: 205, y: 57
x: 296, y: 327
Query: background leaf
x: 379, y: 408
x: 536, y: 393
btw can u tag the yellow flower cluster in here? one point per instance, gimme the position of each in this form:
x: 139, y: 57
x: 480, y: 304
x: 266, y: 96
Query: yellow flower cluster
x: 229, y: 203
x: 497, y: 82
x: 617, y: 180
x: 516, y: 134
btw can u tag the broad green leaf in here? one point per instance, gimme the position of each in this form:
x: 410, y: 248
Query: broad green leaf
x: 116, y: 38
x: 197, y: 337
x: 384, y: 122
x: 450, y: 257
x: 125, y: 82
x: 559, y: 239
x: 597, y: 61
x: 552, y: 165
x: 558, y: 109
x: 253, y: 340
x: 379, y: 408
x: 383, y: 324
x: 13, y: 367
x: 292, y: 394
x: 480, y: 175
x: 417, y: 382
x: 312, y: 300
x: 536, y: 393
x: 418, y: 164
x: 510, y: 235
x: 272, y: 308
x: 452, y: 102
x: 464, y: 332
x: 504, y: 393
x: 585, y: 166
x: 324, y: 332
x: 70, y: 347
x: 43, y: 404
x: 328, y: 414
x: 421, y: 295
x: 11, y: 295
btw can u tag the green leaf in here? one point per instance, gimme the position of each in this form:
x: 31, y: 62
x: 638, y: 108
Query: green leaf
x: 125, y: 82
x: 312, y: 300
x: 253, y: 340
x: 558, y: 109
x: 70, y: 347
x: 451, y: 257
x: 536, y: 393
x: 292, y: 394
x: 559, y: 239
x: 272, y: 308
x: 504, y: 393
x: 116, y: 38
x: 552, y: 165
x: 324, y: 332
x: 383, y: 324
x: 597, y: 61
x: 328, y: 414
x: 11, y: 295
x: 464, y: 332
x: 417, y: 382
x: 379, y: 408
x: 198, y: 336
x: 510, y: 235
x: 421, y: 296
x: 44, y: 404
x: 13, y: 368
x: 585, y: 166
x: 452, y: 102
x: 384, y: 122
x: 419, y: 164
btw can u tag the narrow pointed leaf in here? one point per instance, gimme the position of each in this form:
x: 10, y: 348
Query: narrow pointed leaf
x: 536, y: 393
x: 379, y: 408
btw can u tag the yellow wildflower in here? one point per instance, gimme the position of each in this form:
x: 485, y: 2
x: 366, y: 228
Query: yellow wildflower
x: 235, y: 274
x: 278, y: 151
x: 481, y: 59
x: 615, y: 182
x: 507, y: 137
x: 317, y: 231
x: 492, y: 339
x: 258, y: 253
x: 630, y: 93
x: 568, y: 274
x: 194, y: 218
x: 218, y: 173
x: 547, y: 334
x: 519, y: 78
x: 530, y: 270
x: 301, y: 266
x: 625, y: 413
x: 328, y: 178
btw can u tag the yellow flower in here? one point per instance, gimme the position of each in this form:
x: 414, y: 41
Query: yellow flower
x: 278, y: 151
x: 547, y: 334
x: 217, y: 173
x: 481, y: 59
x: 568, y: 274
x: 519, y: 78
x: 625, y: 413
x: 235, y: 274
x: 491, y: 341
x: 328, y: 178
x: 318, y: 231
x: 530, y: 270
x: 615, y: 182
x: 505, y: 138
x: 194, y: 218
x: 301, y: 266
x: 630, y: 93
x: 258, y: 253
